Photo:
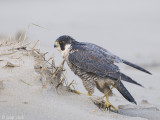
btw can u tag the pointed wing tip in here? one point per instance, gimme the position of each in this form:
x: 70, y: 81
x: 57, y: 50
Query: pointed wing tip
x: 134, y: 102
x: 141, y: 85
x: 136, y: 67
x: 149, y: 73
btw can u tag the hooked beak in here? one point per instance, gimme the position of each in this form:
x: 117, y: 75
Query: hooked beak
x: 56, y: 44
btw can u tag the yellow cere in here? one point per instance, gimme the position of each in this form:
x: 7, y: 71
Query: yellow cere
x: 57, y: 44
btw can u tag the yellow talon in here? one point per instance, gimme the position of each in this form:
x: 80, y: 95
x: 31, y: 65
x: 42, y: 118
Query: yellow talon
x: 89, y: 94
x: 78, y: 92
x: 109, y: 105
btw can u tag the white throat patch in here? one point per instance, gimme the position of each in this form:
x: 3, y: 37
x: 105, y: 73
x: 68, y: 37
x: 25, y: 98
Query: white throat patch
x: 65, y: 52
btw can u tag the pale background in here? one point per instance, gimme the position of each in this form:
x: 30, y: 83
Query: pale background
x: 127, y: 28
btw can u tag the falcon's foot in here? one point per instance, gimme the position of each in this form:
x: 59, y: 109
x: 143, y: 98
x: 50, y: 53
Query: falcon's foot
x: 76, y: 91
x: 89, y: 93
x: 109, y: 105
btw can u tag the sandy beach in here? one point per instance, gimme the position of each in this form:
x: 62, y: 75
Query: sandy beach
x: 129, y: 29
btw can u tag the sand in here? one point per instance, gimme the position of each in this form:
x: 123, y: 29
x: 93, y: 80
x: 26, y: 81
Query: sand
x: 130, y: 29
x: 24, y: 96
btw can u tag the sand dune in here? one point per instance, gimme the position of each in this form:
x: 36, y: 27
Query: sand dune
x: 23, y: 95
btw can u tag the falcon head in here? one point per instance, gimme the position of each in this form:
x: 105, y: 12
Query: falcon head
x: 64, y: 44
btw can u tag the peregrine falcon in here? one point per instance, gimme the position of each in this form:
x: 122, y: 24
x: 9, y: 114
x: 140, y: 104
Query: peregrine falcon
x: 96, y: 67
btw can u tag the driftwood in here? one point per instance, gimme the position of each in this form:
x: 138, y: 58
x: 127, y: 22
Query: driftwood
x: 51, y: 76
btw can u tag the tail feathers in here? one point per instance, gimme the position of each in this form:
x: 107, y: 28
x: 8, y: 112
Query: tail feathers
x: 124, y: 77
x: 136, y: 66
x: 120, y: 87
x: 128, y: 79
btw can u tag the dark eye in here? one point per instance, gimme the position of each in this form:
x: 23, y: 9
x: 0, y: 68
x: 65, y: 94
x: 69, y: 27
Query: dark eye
x: 62, y: 42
